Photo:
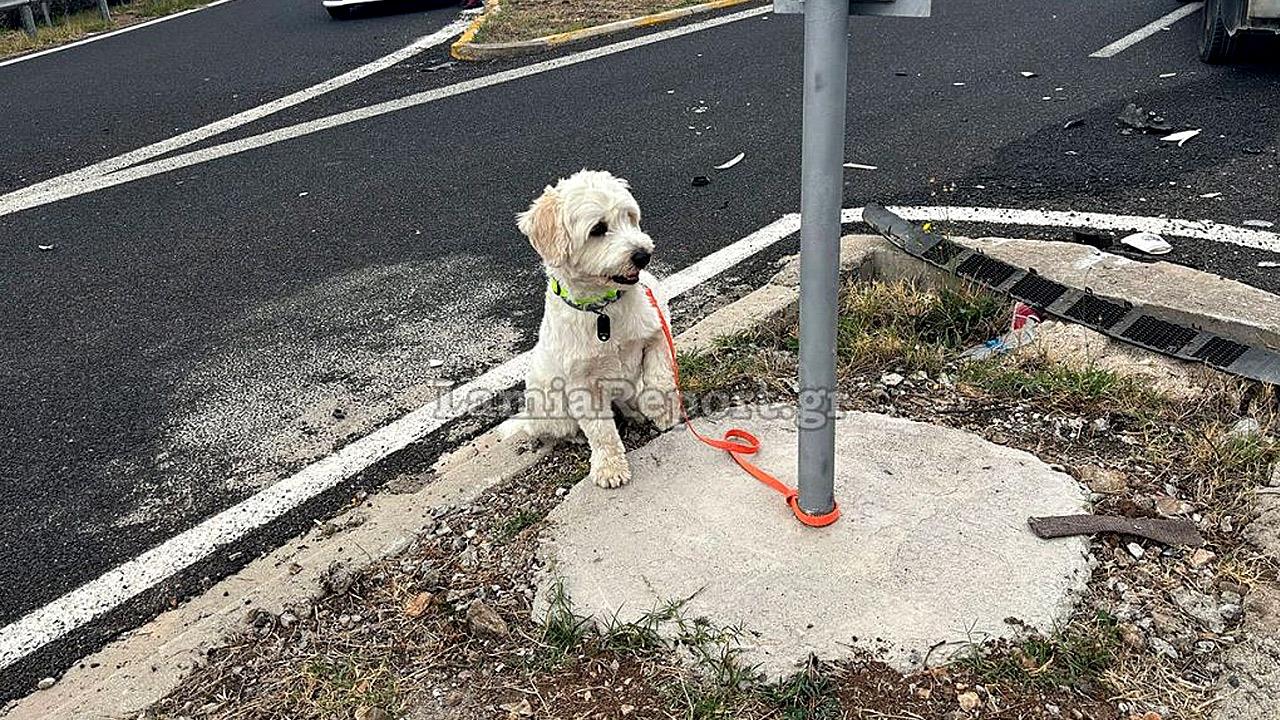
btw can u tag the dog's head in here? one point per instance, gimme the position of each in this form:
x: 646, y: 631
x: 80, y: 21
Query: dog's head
x: 587, y: 228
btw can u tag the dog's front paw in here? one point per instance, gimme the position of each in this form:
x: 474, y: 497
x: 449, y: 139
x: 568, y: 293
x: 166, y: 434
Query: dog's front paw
x: 613, y: 472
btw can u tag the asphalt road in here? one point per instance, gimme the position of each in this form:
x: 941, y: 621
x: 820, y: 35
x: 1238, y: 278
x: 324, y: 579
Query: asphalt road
x: 196, y: 335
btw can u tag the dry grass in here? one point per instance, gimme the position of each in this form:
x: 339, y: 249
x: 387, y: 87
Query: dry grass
x: 528, y: 19
x: 75, y: 26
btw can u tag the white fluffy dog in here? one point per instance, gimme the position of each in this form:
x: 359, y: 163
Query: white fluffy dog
x: 600, y: 344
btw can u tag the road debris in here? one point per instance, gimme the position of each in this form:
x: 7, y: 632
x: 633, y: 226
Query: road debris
x: 1149, y: 243
x: 700, y: 181
x: 518, y: 709
x: 731, y: 162
x: 440, y: 66
x: 860, y: 166
x: 1258, y: 223
x: 1072, y: 123
x: 1166, y: 76
x: 1028, y: 74
x: 1181, y: 137
x: 484, y: 621
x: 418, y: 605
x: 1166, y: 531
x: 958, y: 84
x: 1140, y: 119
x: 46, y: 683
x: 44, y: 248
x: 1268, y: 264
x: 1212, y: 195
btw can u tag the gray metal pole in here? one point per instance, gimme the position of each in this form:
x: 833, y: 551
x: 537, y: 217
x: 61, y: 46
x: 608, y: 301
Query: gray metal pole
x: 826, y: 51
x: 104, y: 11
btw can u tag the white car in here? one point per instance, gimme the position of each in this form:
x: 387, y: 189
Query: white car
x: 1225, y: 21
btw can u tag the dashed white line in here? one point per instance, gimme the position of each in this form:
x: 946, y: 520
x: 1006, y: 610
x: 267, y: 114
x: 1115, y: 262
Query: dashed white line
x: 76, y: 184
x: 119, y: 585
x: 1147, y: 31
x: 113, y: 33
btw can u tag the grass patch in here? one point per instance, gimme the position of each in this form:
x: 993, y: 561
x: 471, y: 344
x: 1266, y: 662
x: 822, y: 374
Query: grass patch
x: 70, y: 27
x: 528, y: 19
x: 807, y: 695
x: 912, y: 328
x: 337, y: 687
x: 511, y: 528
x: 1077, y: 656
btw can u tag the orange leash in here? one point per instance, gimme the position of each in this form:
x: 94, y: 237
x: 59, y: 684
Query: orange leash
x: 738, y: 443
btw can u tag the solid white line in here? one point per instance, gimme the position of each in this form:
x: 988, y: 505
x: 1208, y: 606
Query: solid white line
x: 1147, y: 31
x: 105, y: 35
x: 1197, y: 229
x: 116, y: 586
x: 77, y: 179
x: 53, y: 191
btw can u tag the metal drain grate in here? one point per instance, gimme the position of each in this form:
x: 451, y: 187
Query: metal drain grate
x: 1221, y: 352
x: 1094, y: 311
x: 1036, y: 291
x: 1159, y: 334
x: 1101, y: 313
x: 986, y: 270
x: 943, y: 253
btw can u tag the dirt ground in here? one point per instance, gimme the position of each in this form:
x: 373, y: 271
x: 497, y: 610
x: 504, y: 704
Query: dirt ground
x: 447, y: 630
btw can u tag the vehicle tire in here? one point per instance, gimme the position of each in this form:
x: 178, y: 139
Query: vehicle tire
x: 1216, y: 44
x: 340, y: 12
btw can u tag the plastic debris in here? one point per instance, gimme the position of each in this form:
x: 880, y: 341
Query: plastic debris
x: 1258, y: 223
x: 1028, y: 74
x: 1072, y: 123
x: 958, y: 84
x: 860, y: 166
x: 1149, y: 243
x: 44, y: 248
x: 440, y: 66
x: 1166, y: 76
x: 1140, y: 119
x: 1022, y: 332
x: 1181, y: 137
x: 1212, y: 195
x: 730, y: 163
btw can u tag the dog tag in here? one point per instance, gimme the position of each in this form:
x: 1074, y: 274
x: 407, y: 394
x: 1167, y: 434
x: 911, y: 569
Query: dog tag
x: 602, y: 327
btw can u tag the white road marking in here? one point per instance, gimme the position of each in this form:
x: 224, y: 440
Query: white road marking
x: 117, y: 586
x: 1147, y: 31
x: 105, y: 35
x: 78, y: 178
x: 1197, y: 229
x: 87, y: 181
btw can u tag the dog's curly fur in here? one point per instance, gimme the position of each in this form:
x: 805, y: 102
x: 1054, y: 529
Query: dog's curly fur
x: 587, y: 230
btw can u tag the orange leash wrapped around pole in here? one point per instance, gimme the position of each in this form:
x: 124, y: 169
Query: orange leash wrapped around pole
x: 738, y: 443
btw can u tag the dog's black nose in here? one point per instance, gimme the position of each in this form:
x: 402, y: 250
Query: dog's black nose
x: 640, y: 258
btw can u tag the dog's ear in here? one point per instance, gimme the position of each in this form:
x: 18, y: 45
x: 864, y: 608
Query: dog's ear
x: 541, y: 224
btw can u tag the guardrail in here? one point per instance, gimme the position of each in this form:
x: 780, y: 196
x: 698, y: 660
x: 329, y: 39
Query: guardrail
x: 27, y: 13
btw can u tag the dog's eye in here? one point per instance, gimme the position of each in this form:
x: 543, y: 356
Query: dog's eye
x: 599, y: 229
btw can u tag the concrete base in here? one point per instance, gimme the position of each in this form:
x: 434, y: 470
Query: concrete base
x: 933, y: 546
